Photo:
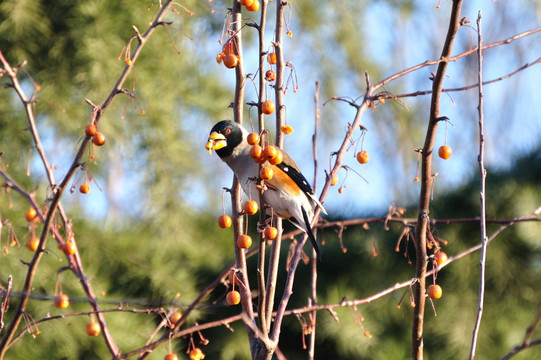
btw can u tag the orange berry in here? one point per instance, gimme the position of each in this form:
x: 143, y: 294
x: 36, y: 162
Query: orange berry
x: 233, y: 297
x: 266, y: 173
x: 98, y: 139
x: 30, y: 214
x: 261, y: 160
x: 90, y: 130
x: 277, y: 159
x: 267, y: 107
x: 271, y: 232
x: 254, y: 6
x: 416, y: 179
x: 231, y: 61
x: 69, y: 248
x: 286, y: 129
x: 229, y: 48
x: 270, y: 75
x: 441, y: 257
x: 171, y: 356
x: 246, y: 2
x: 434, y: 291
x: 93, y: 328
x: 445, y: 152
x: 244, y: 241
x: 255, y: 152
x: 174, y: 318
x: 220, y: 58
x: 250, y: 207
x: 363, y: 157
x: 84, y: 188
x: 233, y: 278
x: 270, y: 152
x: 32, y: 243
x: 225, y: 221
x: 62, y: 301
x: 334, y: 180
x: 271, y: 58
x: 197, y: 354
x: 253, y: 139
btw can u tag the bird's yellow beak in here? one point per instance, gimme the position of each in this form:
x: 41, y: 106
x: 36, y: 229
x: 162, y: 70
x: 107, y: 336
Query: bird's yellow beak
x: 216, y: 141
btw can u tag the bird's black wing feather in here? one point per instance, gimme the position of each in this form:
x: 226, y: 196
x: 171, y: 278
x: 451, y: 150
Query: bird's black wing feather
x: 310, y: 233
x: 296, y: 176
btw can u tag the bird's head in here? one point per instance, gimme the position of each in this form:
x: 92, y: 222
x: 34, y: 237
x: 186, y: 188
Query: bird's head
x: 224, y: 137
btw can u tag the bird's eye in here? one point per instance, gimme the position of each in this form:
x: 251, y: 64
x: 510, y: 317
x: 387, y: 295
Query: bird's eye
x: 227, y: 131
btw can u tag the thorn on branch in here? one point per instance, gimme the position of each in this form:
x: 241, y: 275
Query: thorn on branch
x: 334, y: 315
x: 253, y: 24
x: 346, y: 100
x: 127, y: 92
x: 137, y: 33
x: 21, y: 65
x: 25, y: 262
x: 442, y: 118
x: 89, y: 102
x: 228, y: 326
x: 164, y: 23
x: 367, y: 78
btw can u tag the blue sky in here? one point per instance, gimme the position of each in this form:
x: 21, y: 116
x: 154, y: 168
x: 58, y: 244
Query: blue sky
x: 394, y: 42
x: 511, y: 106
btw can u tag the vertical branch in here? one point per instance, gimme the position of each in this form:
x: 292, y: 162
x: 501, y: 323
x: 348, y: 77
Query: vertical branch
x: 426, y: 185
x: 313, y: 283
x: 236, y: 191
x: 262, y: 298
x: 280, y: 113
x: 483, y: 174
x: 280, y: 68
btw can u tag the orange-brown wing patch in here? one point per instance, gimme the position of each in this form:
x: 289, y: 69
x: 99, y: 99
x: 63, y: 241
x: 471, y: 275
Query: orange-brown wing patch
x: 282, y: 180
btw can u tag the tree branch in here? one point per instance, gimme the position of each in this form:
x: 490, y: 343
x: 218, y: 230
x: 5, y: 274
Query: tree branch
x: 421, y: 260
x: 482, y: 194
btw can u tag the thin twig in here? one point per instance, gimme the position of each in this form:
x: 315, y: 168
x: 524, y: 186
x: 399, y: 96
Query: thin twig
x: 265, y: 285
x: 482, y: 193
x: 279, y: 90
x: 313, y: 280
x: 454, y: 58
x: 463, y: 88
x: 527, y: 342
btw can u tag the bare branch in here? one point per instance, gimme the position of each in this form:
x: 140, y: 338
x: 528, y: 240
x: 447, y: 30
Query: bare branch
x: 527, y: 342
x: 482, y: 193
x: 426, y: 185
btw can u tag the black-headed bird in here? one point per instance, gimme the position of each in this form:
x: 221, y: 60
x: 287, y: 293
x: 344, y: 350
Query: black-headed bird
x: 288, y: 192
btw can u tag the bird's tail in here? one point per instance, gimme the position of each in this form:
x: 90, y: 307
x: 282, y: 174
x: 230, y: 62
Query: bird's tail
x: 310, y: 233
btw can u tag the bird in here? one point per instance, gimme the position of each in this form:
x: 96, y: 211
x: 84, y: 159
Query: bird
x: 287, y: 193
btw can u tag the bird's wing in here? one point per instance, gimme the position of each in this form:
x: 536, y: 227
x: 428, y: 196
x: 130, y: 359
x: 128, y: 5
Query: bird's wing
x: 289, y: 167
